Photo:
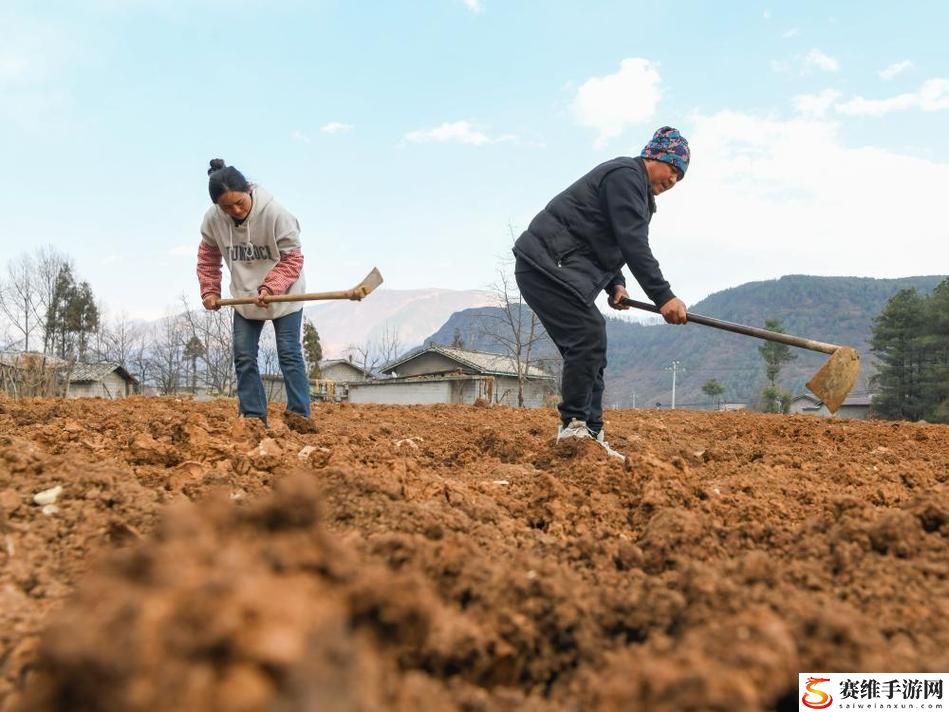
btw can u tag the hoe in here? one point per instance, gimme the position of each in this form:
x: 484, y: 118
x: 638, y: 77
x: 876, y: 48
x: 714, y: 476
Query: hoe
x: 831, y: 383
x: 371, y: 281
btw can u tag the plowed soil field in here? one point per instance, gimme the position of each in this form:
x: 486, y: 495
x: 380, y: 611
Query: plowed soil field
x: 446, y: 557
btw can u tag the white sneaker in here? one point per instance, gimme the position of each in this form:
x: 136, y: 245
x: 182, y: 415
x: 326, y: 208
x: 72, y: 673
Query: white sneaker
x: 606, y: 446
x: 574, y: 429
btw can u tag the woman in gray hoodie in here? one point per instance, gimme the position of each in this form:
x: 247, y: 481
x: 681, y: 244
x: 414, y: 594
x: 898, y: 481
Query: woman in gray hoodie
x: 259, y: 240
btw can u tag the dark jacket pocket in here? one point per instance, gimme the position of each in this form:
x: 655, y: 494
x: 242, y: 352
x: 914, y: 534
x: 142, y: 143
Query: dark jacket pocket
x: 561, y: 244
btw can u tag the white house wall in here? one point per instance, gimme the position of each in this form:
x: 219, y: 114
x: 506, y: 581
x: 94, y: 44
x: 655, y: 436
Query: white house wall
x: 86, y: 390
x: 417, y: 393
x: 276, y: 390
x: 342, y: 372
x: 430, y: 362
x: 467, y: 391
x: 535, y: 391
x: 113, y: 386
x: 857, y: 412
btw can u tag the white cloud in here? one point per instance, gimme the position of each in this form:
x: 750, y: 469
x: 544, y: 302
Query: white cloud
x: 335, y: 127
x: 894, y: 69
x: 15, y: 66
x: 298, y: 136
x: 815, y: 59
x: 34, y: 52
x: 766, y: 14
x: 815, y: 104
x: 767, y: 197
x: 858, y: 106
x: 456, y: 131
x: 29, y: 53
x: 611, y: 103
x: 474, y: 6
x: 792, y: 32
x: 933, y: 95
x: 33, y: 55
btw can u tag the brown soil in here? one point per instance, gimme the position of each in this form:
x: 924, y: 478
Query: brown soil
x: 450, y: 558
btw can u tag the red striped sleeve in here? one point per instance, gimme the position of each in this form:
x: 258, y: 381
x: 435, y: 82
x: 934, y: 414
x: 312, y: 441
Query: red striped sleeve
x: 209, y: 269
x: 285, y: 272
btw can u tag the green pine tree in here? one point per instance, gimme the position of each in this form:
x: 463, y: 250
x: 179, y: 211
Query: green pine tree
x: 57, y: 319
x: 194, y: 350
x: 934, y: 378
x: 83, y: 319
x: 775, y: 355
x: 713, y: 388
x: 312, y: 349
x: 899, y: 346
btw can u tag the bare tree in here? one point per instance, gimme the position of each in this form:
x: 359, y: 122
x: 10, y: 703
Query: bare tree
x: 364, y: 355
x: 49, y: 263
x: 214, y: 330
x: 27, y: 293
x: 7, y: 342
x: 18, y: 298
x: 376, y: 353
x: 267, y: 357
x: 514, y: 327
x: 389, y: 344
x: 139, y: 359
x: 167, y: 353
x: 118, y: 340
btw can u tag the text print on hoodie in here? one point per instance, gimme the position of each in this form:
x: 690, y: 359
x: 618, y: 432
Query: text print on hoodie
x: 251, y: 250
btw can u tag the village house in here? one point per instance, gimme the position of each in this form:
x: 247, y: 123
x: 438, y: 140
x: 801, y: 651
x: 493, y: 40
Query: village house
x: 343, y: 370
x: 26, y: 374
x: 855, y: 406
x: 442, y: 374
x: 337, y: 375
x: 101, y: 380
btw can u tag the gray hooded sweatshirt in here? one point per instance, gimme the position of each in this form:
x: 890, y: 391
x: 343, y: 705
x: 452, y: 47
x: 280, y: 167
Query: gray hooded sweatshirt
x: 252, y: 248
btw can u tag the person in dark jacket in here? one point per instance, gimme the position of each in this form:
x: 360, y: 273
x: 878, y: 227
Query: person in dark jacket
x: 576, y: 247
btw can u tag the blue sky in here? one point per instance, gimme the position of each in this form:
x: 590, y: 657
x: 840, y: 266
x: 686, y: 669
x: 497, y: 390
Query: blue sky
x: 416, y: 135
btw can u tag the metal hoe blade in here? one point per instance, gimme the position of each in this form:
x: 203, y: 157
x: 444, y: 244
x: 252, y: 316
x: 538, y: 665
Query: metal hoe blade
x: 835, y: 378
x: 372, y: 280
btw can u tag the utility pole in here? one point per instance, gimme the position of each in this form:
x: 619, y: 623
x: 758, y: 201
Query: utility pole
x: 674, y: 368
x: 634, y: 400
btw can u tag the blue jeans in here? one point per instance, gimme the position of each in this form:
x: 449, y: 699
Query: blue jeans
x: 251, y: 397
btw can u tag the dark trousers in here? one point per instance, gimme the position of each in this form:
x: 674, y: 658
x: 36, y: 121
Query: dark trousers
x: 579, y: 332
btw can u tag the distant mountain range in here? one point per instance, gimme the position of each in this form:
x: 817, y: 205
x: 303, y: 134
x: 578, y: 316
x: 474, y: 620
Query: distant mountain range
x: 838, y: 310
x: 409, y: 314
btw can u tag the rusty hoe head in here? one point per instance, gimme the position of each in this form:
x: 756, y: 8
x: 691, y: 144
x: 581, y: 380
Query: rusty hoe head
x: 835, y: 379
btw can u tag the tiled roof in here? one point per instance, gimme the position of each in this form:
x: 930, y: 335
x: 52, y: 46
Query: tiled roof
x: 346, y: 362
x: 85, y: 372
x: 479, y: 361
x: 24, y: 359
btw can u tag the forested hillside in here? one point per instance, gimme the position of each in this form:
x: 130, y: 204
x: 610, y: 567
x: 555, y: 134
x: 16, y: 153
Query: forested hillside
x: 834, y: 309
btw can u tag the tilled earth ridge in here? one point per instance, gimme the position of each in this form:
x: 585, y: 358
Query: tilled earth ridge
x: 451, y: 557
